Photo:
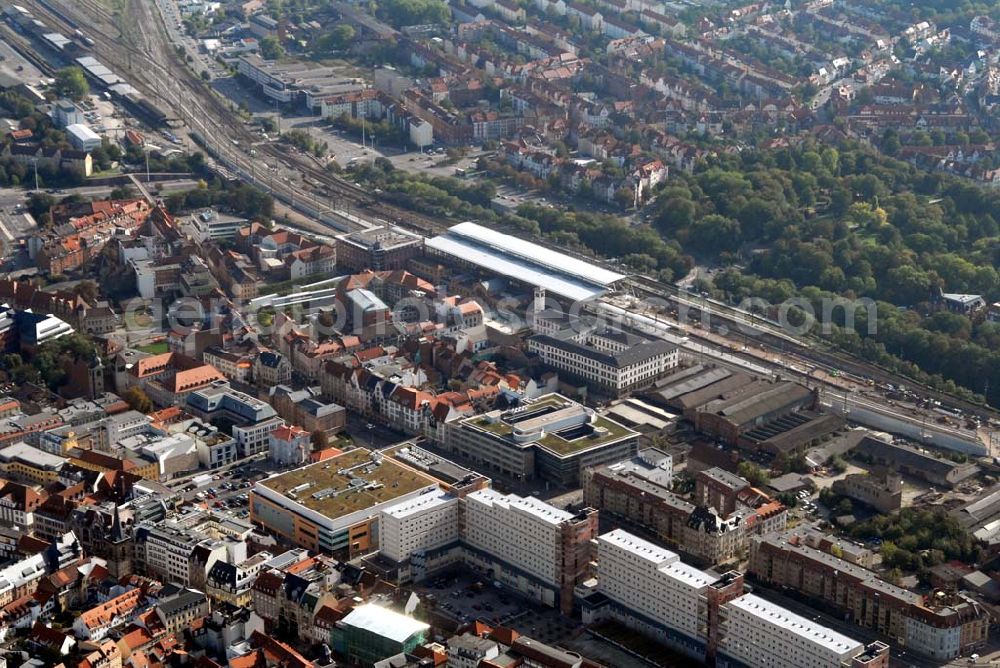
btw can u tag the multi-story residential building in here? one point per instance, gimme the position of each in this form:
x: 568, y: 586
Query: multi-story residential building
x: 468, y: 650
x: 940, y: 628
x: 421, y: 535
x: 51, y: 519
x: 96, y: 623
x: 80, y: 232
x: 107, y: 530
x: 378, y: 248
x: 709, y: 617
x: 184, y: 548
x: 716, y: 528
x: 18, y: 504
x: 21, y: 577
x: 553, y: 438
x: 182, y: 609
x: 291, y: 591
x: 755, y: 632
x: 651, y: 589
x: 106, y: 654
x: 529, y: 545
x: 231, y: 364
x: 271, y: 368
x: 230, y: 583
x: 305, y: 408
x: 289, y: 446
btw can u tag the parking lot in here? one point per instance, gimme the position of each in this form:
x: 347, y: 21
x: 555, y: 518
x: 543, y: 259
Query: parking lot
x: 228, y: 491
x: 464, y: 596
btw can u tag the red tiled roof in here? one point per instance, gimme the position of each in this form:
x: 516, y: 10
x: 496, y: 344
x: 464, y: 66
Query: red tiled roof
x: 136, y: 637
x: 107, y: 611
x: 196, y: 378
x: 48, y: 636
x: 288, y: 432
x: 324, y: 454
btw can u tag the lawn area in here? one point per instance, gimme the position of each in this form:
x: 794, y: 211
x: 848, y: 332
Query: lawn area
x: 157, y: 348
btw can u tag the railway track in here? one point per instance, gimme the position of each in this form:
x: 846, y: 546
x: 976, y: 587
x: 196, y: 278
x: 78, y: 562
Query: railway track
x: 25, y: 48
x: 156, y: 69
x: 832, y: 363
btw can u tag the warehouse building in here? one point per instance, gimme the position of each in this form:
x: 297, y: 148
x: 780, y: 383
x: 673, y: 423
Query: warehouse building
x: 298, y: 84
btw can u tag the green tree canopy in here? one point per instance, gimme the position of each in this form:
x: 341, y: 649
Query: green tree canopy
x: 71, y: 82
x: 270, y: 48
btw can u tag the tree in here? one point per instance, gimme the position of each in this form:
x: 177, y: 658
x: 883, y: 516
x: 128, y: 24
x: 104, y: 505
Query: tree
x: 320, y: 440
x: 342, y: 36
x: 715, y: 233
x: 413, y: 12
x: 890, y: 142
x: 137, y: 399
x: 270, y: 48
x: 122, y: 192
x: 71, y: 82
x: 87, y: 291
x: 754, y: 474
x: 624, y: 197
x: 40, y: 203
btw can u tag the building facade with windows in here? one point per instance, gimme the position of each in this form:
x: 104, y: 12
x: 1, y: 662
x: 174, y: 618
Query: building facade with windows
x: 611, y: 362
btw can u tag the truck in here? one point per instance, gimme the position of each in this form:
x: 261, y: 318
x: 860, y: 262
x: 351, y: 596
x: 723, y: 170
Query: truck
x: 202, y: 479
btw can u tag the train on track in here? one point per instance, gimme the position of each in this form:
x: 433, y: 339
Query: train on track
x: 75, y: 49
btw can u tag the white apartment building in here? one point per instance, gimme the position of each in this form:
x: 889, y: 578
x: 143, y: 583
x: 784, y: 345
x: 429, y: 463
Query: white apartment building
x: 211, y: 225
x: 289, y: 445
x: 253, y: 439
x: 166, y: 552
x: 652, y: 582
x: 421, y: 534
x: 522, y: 532
x: 527, y: 544
x: 13, y: 512
x: 762, y: 634
x: 648, y: 588
x: 615, y: 362
x: 941, y: 642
